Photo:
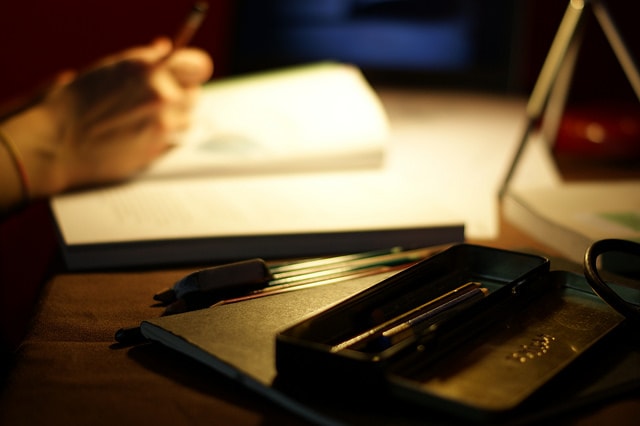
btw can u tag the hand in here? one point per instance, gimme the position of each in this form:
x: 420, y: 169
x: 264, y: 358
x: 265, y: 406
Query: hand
x: 119, y: 116
x: 108, y: 123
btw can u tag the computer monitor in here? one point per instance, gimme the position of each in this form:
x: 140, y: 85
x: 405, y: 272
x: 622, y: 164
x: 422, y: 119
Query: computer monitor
x: 457, y: 42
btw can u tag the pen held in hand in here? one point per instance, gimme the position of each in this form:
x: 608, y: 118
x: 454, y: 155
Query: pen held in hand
x: 188, y: 28
x: 191, y: 24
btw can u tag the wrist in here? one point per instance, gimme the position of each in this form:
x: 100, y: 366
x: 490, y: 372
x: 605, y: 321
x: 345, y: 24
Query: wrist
x: 36, y: 136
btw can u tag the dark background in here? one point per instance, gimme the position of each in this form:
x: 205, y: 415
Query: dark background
x: 497, y: 45
x: 501, y: 44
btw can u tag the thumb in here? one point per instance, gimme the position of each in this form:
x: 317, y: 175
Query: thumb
x: 191, y: 67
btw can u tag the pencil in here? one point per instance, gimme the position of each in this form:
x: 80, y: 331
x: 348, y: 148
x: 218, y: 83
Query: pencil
x: 191, y: 24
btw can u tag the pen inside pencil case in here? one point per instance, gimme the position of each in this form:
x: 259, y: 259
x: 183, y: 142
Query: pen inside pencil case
x: 414, y: 322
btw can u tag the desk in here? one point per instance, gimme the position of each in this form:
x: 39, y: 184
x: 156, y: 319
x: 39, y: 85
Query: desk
x: 68, y: 370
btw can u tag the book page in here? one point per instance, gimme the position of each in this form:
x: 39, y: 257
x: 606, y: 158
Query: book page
x: 320, y: 116
x: 456, y: 147
x: 445, y: 160
x: 245, y: 206
x: 596, y: 210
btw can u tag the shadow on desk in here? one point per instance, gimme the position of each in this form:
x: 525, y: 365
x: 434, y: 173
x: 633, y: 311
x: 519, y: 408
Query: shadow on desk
x: 607, y: 374
x: 28, y: 258
x: 204, y: 386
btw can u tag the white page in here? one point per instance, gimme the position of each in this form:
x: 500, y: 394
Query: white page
x: 457, y: 147
x: 446, y: 158
x: 321, y: 116
x: 271, y: 204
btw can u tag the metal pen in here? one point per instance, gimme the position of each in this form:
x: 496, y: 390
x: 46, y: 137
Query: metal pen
x: 404, y: 321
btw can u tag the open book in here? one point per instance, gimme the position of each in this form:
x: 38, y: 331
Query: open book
x: 316, y: 117
x: 225, y: 193
x: 170, y: 222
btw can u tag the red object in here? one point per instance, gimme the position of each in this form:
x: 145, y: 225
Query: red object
x: 39, y: 38
x: 609, y: 132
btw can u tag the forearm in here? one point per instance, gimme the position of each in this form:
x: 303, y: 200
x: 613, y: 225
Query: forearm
x: 104, y: 125
x: 13, y: 190
x: 29, y: 167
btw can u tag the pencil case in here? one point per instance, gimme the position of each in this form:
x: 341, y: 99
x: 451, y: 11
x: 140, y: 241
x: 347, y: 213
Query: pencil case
x: 472, y: 331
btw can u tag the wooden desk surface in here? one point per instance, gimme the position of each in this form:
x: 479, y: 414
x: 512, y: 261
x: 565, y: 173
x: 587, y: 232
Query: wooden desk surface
x: 69, y: 371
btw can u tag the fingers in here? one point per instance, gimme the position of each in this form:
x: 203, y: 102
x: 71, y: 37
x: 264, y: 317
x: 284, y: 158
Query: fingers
x: 118, y: 153
x: 63, y: 78
x: 190, y: 67
x: 165, y: 118
x: 150, y: 54
x: 123, y: 112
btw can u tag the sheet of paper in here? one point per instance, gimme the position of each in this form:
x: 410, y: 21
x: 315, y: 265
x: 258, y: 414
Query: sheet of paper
x: 457, y: 147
